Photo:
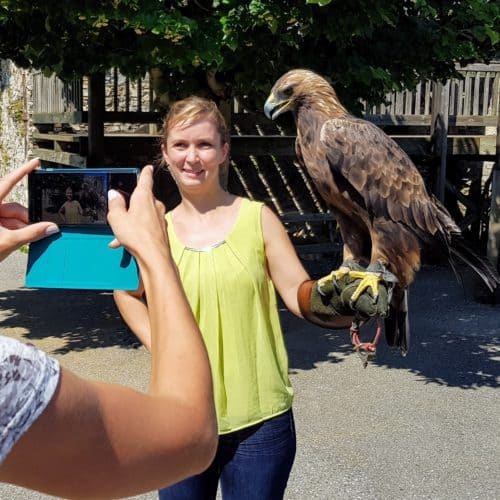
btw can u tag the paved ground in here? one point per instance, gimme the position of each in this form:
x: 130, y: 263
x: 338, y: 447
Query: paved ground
x: 420, y: 427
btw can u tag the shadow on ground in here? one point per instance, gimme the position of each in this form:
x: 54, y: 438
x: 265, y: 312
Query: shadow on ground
x: 451, y: 359
x: 455, y: 342
x: 82, y: 319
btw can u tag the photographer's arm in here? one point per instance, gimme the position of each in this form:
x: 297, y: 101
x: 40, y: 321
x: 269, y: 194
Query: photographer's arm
x: 102, y: 440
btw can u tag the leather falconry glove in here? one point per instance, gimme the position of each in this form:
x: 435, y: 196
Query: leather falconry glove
x: 321, y: 301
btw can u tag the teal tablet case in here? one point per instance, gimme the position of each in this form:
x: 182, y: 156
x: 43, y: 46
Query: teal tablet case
x: 79, y: 258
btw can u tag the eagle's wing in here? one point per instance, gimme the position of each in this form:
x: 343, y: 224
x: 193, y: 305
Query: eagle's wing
x: 380, y: 171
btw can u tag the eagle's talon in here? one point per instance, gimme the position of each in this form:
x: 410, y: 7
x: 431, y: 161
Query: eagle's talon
x: 334, y: 276
x: 368, y: 280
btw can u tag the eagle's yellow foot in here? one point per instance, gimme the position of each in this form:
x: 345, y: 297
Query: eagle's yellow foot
x: 336, y: 275
x: 368, y: 280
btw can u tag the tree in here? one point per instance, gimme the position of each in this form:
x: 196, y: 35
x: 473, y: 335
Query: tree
x: 229, y: 47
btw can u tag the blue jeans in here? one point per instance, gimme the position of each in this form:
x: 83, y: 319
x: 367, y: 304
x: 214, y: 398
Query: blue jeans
x: 252, y: 464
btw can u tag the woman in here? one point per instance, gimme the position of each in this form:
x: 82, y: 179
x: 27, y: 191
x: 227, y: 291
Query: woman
x: 76, y: 438
x: 232, y: 253
x: 71, y: 211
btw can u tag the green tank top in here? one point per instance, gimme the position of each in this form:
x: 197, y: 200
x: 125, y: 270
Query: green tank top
x: 234, y: 302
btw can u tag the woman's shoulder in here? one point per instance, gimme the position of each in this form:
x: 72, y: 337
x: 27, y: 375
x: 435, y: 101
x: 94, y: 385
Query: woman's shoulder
x: 172, y: 213
x: 28, y: 382
x: 249, y: 205
x: 249, y: 210
x: 258, y: 209
x: 252, y: 203
x: 12, y: 350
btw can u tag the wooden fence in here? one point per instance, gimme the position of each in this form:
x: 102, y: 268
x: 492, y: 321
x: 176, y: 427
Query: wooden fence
x: 475, y: 95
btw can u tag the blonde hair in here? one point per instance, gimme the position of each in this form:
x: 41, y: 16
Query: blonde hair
x: 187, y: 111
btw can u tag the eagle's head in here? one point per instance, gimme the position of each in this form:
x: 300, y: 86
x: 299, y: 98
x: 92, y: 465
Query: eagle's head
x: 300, y: 87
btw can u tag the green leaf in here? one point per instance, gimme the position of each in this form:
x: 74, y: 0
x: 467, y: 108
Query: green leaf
x: 321, y: 3
x: 494, y: 36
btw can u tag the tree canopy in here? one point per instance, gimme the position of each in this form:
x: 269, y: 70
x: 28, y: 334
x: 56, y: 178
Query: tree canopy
x: 229, y: 47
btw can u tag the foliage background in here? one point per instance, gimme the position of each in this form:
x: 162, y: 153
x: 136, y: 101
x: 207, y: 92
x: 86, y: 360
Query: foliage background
x: 227, y: 47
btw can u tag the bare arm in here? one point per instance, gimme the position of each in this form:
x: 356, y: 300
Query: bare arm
x: 287, y: 272
x: 62, y: 212
x: 134, y: 311
x: 102, y: 440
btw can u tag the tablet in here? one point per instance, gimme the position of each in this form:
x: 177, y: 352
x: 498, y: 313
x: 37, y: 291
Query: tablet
x: 80, y: 259
x: 78, y: 256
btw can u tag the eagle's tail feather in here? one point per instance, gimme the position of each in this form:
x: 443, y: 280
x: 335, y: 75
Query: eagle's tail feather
x: 458, y: 250
x: 397, y: 324
x: 481, y: 265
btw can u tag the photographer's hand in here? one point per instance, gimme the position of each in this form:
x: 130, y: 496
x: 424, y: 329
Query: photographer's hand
x: 141, y: 229
x: 15, y: 229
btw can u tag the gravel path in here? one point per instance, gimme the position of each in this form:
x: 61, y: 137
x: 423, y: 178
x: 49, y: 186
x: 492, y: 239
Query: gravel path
x: 420, y: 427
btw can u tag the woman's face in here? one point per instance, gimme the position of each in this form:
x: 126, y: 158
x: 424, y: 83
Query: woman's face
x: 69, y: 193
x: 195, y: 153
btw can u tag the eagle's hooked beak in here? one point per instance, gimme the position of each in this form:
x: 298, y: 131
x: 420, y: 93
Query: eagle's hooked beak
x: 273, y: 106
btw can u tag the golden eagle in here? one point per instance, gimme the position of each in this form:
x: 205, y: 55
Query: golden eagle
x: 383, y: 210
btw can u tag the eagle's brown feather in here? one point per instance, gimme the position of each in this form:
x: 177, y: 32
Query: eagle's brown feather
x: 391, y: 187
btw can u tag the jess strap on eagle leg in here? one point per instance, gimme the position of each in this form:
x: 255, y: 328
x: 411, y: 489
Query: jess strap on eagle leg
x: 324, y: 305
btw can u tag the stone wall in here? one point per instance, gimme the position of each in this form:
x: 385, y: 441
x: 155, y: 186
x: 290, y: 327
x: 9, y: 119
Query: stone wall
x: 15, y: 104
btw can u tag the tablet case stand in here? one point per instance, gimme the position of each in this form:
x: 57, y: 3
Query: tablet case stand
x: 79, y: 258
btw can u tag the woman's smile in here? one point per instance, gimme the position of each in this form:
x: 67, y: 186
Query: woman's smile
x: 192, y: 173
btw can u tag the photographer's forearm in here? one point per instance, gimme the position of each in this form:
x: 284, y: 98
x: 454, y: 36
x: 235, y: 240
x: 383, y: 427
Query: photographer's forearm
x: 135, y: 313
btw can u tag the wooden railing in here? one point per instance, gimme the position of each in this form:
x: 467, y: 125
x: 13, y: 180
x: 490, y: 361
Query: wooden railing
x: 475, y: 95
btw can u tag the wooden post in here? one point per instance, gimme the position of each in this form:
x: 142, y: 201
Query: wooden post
x: 494, y: 225
x: 96, y: 120
x: 439, y: 132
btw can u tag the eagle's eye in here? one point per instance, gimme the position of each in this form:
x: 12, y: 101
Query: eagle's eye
x: 287, y: 91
